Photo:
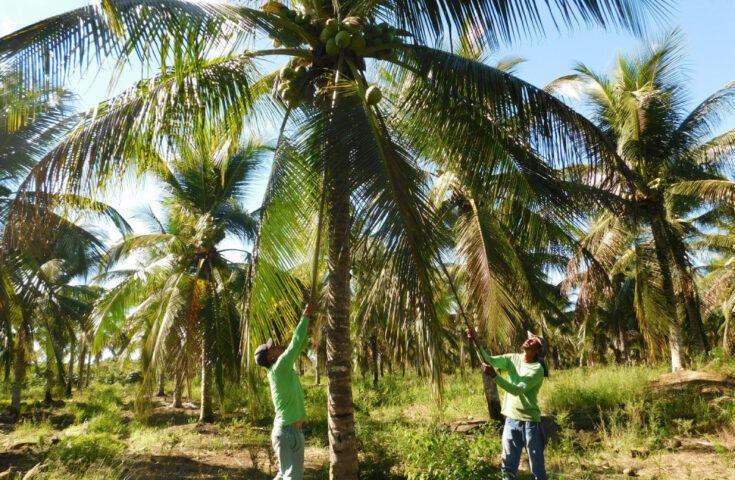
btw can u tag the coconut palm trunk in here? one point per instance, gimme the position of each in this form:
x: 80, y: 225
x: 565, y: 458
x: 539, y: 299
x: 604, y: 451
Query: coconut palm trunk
x: 178, y: 387
x: 492, y: 397
x: 726, y: 341
x: 19, y: 369
x: 206, y: 414
x: 9, y: 348
x: 82, y: 358
x: 161, y: 383
x: 72, y: 344
x: 374, y: 359
x: 340, y: 414
x: 675, y: 338
x: 49, y: 373
x: 693, y: 315
x: 317, y: 375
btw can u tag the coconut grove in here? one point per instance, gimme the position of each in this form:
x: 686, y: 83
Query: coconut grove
x: 344, y: 239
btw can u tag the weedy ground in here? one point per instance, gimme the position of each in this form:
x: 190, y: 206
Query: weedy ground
x: 604, y: 423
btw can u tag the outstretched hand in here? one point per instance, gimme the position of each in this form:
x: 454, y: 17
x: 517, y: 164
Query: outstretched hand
x: 488, y: 369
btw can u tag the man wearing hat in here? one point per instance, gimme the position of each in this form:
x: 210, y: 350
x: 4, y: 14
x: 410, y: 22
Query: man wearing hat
x: 288, y: 397
x: 523, y: 427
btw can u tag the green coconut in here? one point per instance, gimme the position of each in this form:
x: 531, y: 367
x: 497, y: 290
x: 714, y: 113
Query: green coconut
x: 358, y: 42
x: 332, y: 25
x: 342, y: 39
x: 300, y: 71
x: 325, y: 35
x: 287, y: 73
x: 331, y: 47
x: 373, y: 95
x: 351, y: 26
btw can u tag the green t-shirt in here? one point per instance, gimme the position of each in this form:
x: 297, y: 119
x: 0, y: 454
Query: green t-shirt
x: 286, y: 391
x: 522, y: 386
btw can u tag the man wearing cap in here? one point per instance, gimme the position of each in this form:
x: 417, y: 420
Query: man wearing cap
x: 523, y: 427
x: 288, y: 397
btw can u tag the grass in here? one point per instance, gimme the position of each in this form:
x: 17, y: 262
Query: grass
x: 605, y: 415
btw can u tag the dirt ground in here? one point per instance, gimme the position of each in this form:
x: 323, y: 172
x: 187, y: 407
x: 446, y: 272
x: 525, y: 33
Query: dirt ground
x: 208, y: 453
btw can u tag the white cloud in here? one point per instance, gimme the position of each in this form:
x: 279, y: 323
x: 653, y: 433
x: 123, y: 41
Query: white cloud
x: 7, y: 25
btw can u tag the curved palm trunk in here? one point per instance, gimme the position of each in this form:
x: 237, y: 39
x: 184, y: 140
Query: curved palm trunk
x: 675, y: 340
x: 340, y: 412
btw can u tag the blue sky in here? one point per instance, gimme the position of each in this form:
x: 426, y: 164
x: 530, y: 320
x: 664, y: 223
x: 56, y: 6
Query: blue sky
x: 706, y: 24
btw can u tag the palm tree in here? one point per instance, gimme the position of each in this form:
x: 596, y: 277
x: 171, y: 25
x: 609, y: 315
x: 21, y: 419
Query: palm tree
x: 718, y: 273
x: 671, y: 156
x: 181, y: 295
x: 365, y: 154
x: 43, y: 267
x: 44, y: 249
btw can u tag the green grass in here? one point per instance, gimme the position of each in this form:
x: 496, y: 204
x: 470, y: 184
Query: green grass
x: 594, y: 388
x: 400, y: 425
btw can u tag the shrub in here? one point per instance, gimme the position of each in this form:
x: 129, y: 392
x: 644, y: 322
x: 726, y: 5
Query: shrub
x: 441, y: 455
x: 87, y: 449
x: 110, y: 421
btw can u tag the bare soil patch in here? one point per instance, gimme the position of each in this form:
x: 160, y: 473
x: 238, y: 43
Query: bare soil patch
x: 707, y: 383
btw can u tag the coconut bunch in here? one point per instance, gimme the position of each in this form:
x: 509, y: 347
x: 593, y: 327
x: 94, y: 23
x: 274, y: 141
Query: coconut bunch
x: 347, y: 35
x: 294, y: 86
x: 353, y: 36
x: 356, y: 35
x: 289, y: 38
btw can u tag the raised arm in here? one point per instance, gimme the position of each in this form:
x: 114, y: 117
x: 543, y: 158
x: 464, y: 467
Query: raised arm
x: 298, y: 341
x: 500, y: 361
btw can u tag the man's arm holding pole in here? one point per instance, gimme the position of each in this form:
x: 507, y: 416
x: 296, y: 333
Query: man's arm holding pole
x: 500, y: 361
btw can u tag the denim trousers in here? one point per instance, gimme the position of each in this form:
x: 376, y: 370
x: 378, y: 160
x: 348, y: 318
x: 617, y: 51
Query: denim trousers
x: 518, y: 435
x: 288, y: 442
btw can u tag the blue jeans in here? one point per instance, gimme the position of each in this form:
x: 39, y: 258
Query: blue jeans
x: 518, y: 435
x: 288, y: 442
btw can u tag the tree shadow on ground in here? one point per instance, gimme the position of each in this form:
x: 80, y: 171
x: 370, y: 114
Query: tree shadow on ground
x: 165, y: 467
x: 22, y: 460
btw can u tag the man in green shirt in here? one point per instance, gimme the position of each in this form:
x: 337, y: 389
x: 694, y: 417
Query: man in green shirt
x: 523, y: 427
x: 288, y: 397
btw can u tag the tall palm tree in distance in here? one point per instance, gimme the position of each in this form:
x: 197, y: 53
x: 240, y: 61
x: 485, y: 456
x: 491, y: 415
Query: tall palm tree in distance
x: 674, y: 160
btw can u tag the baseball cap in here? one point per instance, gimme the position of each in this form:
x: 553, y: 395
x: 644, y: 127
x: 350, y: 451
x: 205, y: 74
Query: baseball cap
x: 261, y: 353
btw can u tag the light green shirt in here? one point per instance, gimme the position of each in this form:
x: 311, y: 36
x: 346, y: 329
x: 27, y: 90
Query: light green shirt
x: 522, y: 386
x: 286, y: 391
